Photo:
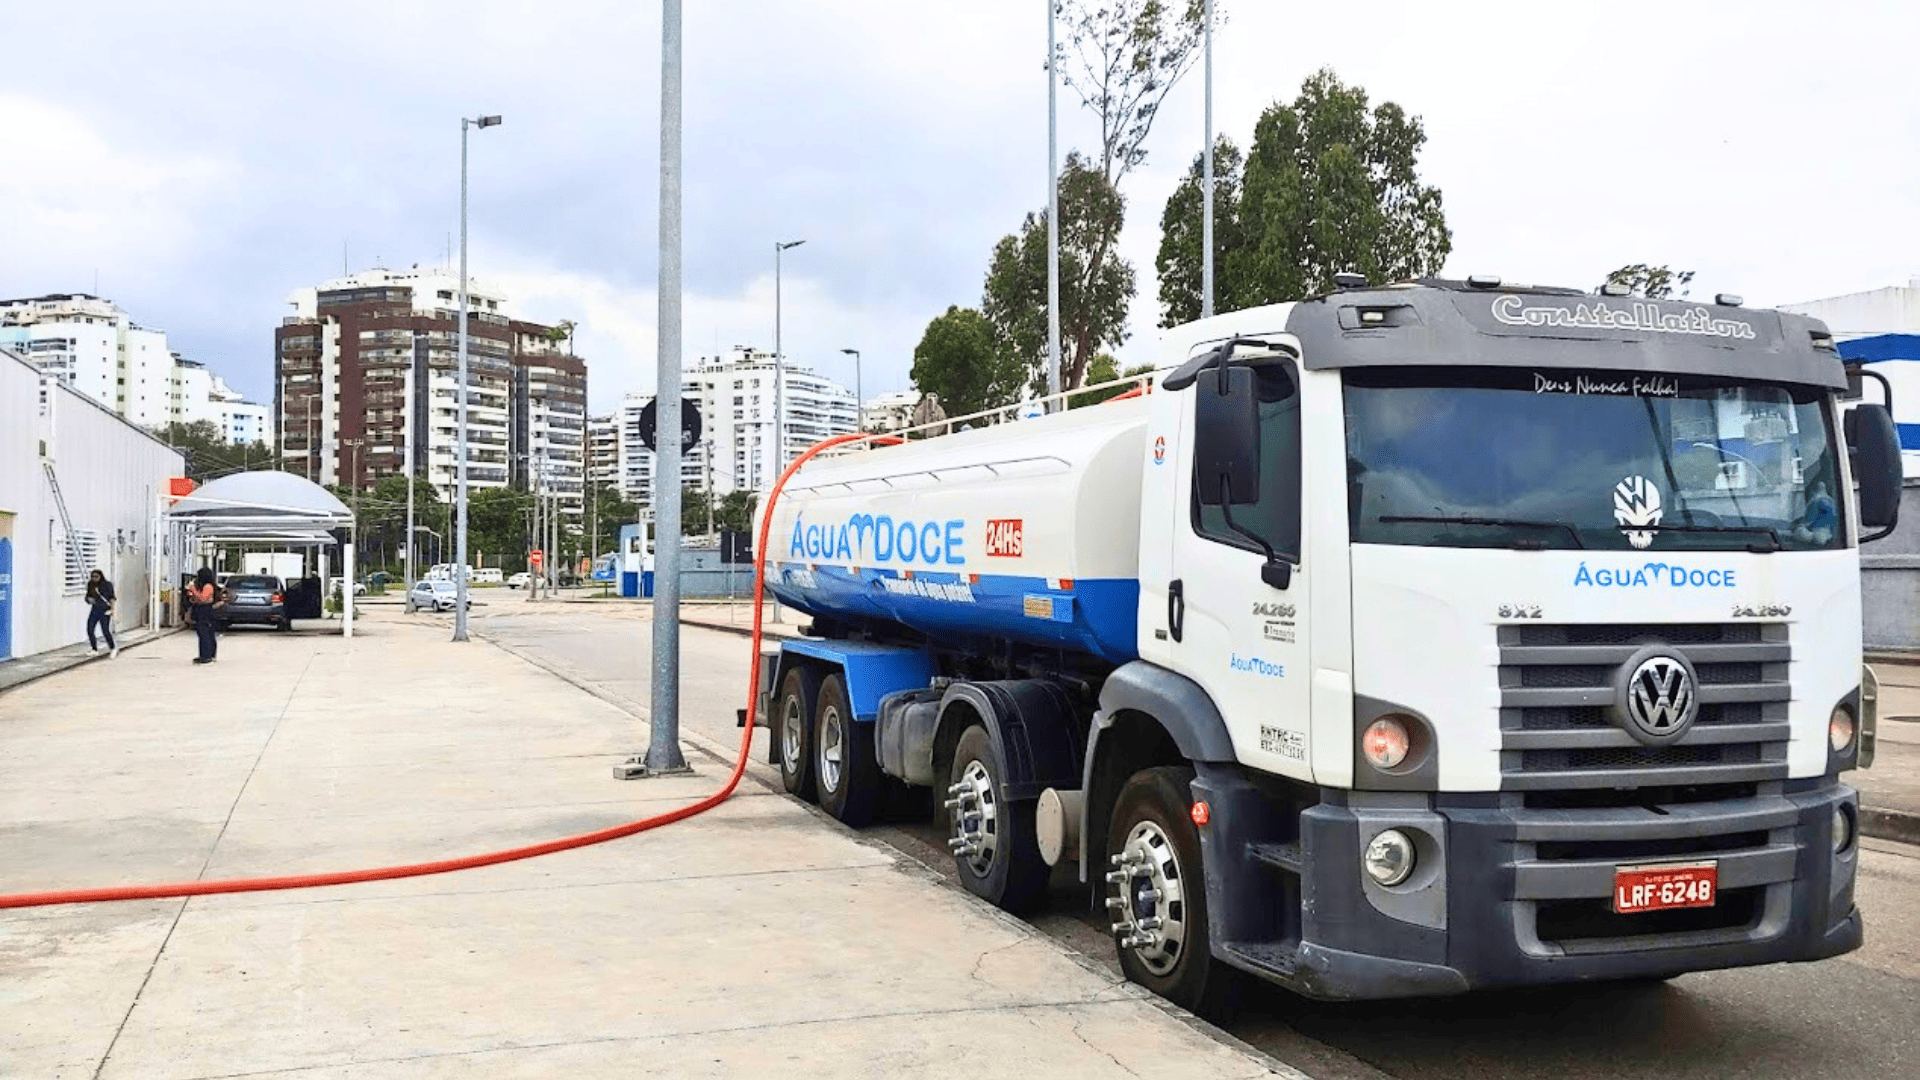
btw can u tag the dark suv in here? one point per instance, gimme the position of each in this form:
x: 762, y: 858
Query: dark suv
x: 256, y: 599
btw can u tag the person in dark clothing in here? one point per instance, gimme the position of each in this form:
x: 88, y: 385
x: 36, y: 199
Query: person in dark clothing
x: 100, y: 612
x: 203, y: 599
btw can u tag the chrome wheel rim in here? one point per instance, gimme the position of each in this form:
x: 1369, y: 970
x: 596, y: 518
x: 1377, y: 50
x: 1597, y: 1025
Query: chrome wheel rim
x: 1148, y: 896
x: 791, y: 734
x: 832, y: 749
x: 974, y: 817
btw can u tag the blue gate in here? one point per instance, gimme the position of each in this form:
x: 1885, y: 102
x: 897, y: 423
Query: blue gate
x: 6, y: 598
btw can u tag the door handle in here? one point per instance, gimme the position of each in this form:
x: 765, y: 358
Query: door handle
x: 1176, y: 608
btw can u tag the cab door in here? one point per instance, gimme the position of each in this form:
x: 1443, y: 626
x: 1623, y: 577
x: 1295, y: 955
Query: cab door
x: 1240, y: 637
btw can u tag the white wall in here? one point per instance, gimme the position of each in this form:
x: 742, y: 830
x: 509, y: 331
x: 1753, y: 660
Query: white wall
x: 110, y: 474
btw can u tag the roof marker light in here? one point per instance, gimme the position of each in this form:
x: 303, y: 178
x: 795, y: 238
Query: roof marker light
x: 1727, y: 299
x: 1347, y: 279
x: 1616, y: 288
x: 1484, y: 281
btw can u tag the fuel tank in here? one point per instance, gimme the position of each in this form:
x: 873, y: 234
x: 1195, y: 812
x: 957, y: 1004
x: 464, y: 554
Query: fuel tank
x: 1027, y: 531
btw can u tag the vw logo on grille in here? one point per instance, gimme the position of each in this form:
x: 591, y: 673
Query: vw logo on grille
x: 1658, y: 699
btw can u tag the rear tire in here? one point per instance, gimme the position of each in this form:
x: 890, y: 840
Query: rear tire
x: 1006, y: 869
x: 1152, y: 831
x: 792, y: 729
x: 844, y: 770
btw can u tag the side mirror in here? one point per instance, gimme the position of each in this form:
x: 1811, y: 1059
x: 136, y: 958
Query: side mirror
x: 1873, y: 443
x: 1226, y: 437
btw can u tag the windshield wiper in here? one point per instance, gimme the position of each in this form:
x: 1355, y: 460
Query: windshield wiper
x: 1513, y: 523
x: 1765, y: 530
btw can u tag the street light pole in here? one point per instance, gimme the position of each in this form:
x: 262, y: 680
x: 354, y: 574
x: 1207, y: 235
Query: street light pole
x: 779, y: 366
x: 859, y: 398
x: 1053, y: 216
x: 460, y: 531
x: 1206, y: 185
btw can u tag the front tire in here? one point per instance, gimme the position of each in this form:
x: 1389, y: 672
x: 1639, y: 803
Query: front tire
x: 844, y: 769
x: 1157, y: 893
x: 995, y: 850
x: 793, y: 729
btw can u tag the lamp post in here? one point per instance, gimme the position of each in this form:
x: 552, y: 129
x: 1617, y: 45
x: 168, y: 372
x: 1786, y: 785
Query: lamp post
x: 1053, y: 217
x: 859, y: 398
x: 779, y: 365
x: 1206, y: 185
x: 460, y: 530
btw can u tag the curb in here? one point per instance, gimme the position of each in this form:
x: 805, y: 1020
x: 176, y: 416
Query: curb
x: 1901, y: 659
x: 744, y: 630
x: 1902, y: 826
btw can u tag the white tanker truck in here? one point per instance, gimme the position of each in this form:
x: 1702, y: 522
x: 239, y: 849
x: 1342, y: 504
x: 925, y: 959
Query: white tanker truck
x: 1401, y: 641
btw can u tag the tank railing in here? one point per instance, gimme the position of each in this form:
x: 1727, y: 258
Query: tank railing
x: 1129, y: 386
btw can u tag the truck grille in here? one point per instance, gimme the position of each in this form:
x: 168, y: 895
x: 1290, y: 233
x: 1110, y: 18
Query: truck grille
x: 1556, y: 693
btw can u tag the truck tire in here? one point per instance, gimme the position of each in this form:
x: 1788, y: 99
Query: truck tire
x: 1003, y: 865
x: 843, y: 766
x: 792, y: 729
x: 1153, y: 848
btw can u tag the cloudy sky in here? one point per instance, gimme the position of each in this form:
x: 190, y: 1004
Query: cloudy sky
x: 203, y: 160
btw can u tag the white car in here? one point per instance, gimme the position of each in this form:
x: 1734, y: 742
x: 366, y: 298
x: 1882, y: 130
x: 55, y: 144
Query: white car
x: 519, y: 580
x: 359, y: 587
x: 433, y: 596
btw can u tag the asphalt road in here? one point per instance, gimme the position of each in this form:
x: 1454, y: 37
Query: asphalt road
x: 1852, y: 1018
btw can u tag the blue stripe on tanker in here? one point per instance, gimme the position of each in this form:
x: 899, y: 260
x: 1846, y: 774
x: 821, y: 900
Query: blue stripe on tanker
x: 1098, y: 615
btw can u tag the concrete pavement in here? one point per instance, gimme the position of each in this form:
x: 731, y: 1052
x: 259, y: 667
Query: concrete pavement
x: 757, y: 937
x: 1890, y: 788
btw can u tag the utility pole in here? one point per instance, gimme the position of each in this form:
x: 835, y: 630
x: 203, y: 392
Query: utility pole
x: 663, y: 746
x: 1206, y: 184
x: 708, y: 491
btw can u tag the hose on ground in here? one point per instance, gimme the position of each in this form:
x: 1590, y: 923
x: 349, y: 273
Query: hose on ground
x: 492, y: 858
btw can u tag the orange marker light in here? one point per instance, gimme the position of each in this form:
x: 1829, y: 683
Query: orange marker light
x: 1201, y: 814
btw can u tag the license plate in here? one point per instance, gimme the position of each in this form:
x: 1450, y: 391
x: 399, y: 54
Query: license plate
x: 1664, y: 886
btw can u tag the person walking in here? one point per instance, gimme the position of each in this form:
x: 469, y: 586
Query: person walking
x: 203, y: 599
x: 100, y: 612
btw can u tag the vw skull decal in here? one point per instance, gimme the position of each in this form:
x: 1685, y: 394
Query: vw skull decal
x: 1658, y: 698
x: 1636, y: 506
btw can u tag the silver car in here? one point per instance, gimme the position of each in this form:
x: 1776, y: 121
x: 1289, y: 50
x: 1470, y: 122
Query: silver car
x: 433, y: 596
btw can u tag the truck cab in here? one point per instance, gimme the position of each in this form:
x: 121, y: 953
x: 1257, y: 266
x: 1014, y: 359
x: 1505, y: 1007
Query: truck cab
x: 1482, y: 636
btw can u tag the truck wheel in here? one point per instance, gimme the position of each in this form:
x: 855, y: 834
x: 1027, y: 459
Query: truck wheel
x: 993, y: 841
x: 844, y: 769
x: 793, y: 729
x: 1157, y: 895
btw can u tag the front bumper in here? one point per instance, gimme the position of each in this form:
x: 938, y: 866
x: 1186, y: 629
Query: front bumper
x: 1513, y: 895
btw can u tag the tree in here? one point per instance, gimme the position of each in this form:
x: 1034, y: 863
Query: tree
x: 208, y: 453
x: 1329, y: 185
x: 957, y: 360
x: 1179, y: 260
x: 1652, y: 282
x: 1104, y: 369
x: 735, y: 511
x: 1095, y: 282
x: 1127, y: 56
x: 611, y: 510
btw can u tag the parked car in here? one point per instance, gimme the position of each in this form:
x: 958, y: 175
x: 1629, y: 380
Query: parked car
x: 255, y: 600
x: 433, y: 596
x: 359, y: 587
x: 519, y: 580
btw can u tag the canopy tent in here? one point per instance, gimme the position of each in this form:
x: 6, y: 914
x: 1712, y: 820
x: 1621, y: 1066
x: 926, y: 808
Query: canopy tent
x: 264, y: 508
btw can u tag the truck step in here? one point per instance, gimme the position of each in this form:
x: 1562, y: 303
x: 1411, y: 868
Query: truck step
x: 1282, y: 856
x: 1277, y: 959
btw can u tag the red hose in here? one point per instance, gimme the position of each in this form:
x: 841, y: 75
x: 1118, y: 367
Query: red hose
x: 443, y: 866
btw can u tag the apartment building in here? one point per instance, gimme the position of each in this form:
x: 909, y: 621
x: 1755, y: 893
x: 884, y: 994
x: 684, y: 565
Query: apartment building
x: 366, y: 386
x: 95, y: 348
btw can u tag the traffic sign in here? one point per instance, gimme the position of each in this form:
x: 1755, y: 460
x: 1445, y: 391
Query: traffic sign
x: 689, y: 424
x: 534, y: 556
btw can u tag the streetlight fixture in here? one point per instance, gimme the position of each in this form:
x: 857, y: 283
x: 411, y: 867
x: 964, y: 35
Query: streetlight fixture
x: 859, y: 398
x: 779, y: 366
x: 460, y: 531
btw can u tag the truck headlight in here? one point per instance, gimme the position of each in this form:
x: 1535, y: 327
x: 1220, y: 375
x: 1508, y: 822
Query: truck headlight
x: 1842, y: 828
x: 1386, y: 743
x: 1388, y: 859
x: 1840, y: 729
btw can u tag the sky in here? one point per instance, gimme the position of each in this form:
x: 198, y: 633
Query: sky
x: 201, y: 161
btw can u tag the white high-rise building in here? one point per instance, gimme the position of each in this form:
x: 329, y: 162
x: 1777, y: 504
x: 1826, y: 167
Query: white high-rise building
x: 736, y: 451
x: 93, y: 346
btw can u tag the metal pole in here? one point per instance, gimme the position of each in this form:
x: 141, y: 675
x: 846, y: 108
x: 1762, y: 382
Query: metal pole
x: 779, y: 372
x: 1053, y: 217
x: 1206, y: 185
x: 460, y: 436
x: 663, y: 749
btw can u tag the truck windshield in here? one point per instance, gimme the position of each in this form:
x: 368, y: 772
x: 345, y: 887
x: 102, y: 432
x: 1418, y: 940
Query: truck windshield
x: 1602, y: 460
